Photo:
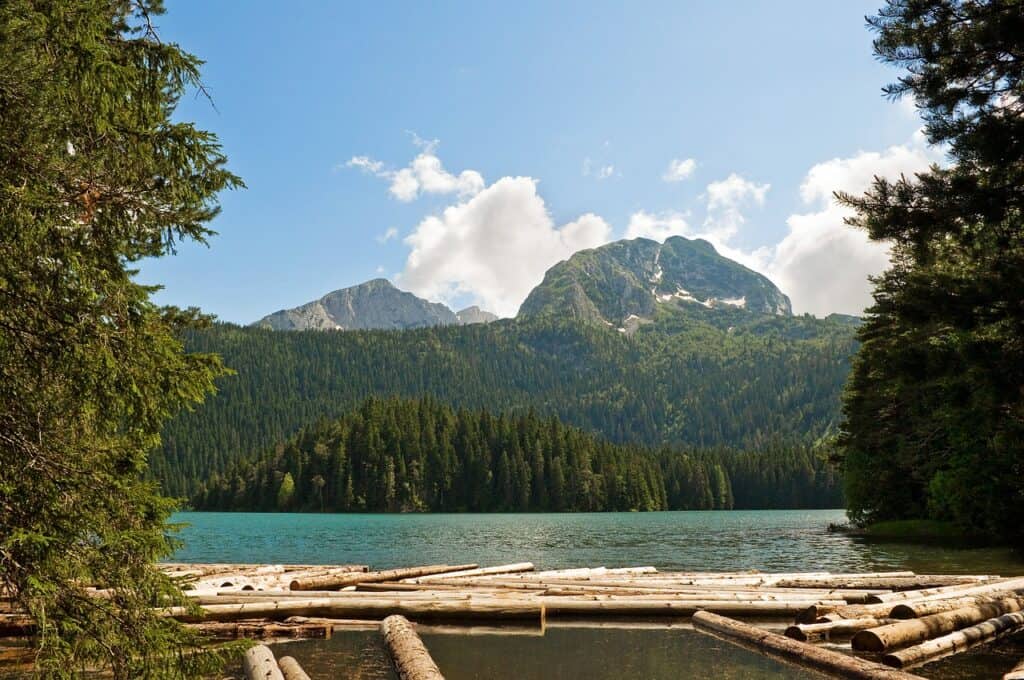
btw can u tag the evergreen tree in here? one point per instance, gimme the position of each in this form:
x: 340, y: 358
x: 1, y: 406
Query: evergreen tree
x: 934, y: 408
x: 95, y: 175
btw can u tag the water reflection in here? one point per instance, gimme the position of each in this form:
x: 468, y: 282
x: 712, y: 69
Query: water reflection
x: 592, y: 653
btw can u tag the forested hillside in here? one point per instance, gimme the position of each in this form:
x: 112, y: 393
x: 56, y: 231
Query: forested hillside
x: 712, y: 379
x: 420, y: 455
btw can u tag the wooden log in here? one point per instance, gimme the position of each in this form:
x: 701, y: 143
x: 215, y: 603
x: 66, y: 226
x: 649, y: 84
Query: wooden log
x: 409, y: 654
x: 16, y: 625
x: 258, y: 663
x: 882, y: 583
x: 917, y: 608
x: 335, y: 581
x: 1013, y: 584
x: 1015, y: 673
x: 815, y: 613
x: 481, y: 571
x: 262, y: 630
x: 832, y: 629
x: 912, y: 631
x: 680, y: 608
x: 377, y: 607
x: 291, y: 670
x: 801, y: 653
x: 953, y: 643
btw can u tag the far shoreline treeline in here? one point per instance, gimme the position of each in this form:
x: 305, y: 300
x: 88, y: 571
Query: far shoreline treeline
x: 420, y: 455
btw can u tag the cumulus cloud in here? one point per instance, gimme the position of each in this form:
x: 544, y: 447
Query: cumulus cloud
x: 494, y: 247
x: 726, y: 202
x: 424, y: 175
x: 822, y: 263
x: 679, y: 169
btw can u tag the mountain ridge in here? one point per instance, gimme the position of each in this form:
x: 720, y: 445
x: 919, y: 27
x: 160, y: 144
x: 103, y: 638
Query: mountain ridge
x: 372, y: 305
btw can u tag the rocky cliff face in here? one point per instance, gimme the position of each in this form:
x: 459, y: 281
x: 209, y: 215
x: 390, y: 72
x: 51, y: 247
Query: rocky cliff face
x: 631, y: 280
x: 376, y: 304
x: 475, y: 315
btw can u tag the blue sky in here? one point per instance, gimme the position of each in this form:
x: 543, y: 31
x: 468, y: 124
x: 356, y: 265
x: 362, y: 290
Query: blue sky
x: 775, y: 104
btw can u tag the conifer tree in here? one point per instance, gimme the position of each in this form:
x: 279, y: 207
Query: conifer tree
x: 95, y: 175
x: 935, y: 409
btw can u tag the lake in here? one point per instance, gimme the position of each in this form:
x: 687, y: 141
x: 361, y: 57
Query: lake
x: 768, y: 540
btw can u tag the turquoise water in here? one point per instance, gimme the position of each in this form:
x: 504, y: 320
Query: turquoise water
x: 768, y: 540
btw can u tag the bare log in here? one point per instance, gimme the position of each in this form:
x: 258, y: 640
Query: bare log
x: 481, y: 571
x: 377, y: 607
x: 668, y: 607
x: 801, y: 653
x: 259, y: 664
x: 262, y: 630
x: 825, y: 631
x: 1012, y: 584
x: 291, y: 670
x: 409, y: 654
x: 882, y: 583
x: 335, y: 581
x: 912, y: 631
x: 953, y: 643
x: 917, y: 608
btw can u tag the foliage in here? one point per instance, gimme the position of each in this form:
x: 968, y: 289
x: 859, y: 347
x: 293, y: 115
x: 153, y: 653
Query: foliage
x: 394, y: 455
x: 733, y: 379
x: 934, y: 409
x: 94, y: 176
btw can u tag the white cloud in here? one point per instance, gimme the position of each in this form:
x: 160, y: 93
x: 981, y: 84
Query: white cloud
x: 823, y: 263
x: 679, y: 169
x: 424, y: 175
x: 494, y: 247
x: 657, y: 226
x: 726, y: 201
x: 389, y: 234
x: 599, y: 172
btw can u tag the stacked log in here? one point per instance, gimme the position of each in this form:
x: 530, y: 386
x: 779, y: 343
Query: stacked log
x: 912, y: 631
x: 960, y: 641
x: 800, y: 653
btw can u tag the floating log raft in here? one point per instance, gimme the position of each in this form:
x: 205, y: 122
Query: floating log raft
x: 409, y: 654
x: 907, y: 617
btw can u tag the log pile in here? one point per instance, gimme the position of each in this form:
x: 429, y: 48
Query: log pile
x: 885, y: 620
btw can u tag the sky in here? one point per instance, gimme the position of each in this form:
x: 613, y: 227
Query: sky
x: 460, y: 149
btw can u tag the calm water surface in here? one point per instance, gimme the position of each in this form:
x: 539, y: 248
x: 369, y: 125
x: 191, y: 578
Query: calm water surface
x: 769, y: 540
x: 773, y: 540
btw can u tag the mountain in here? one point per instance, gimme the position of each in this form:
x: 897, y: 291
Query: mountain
x: 628, y: 282
x: 376, y: 304
x: 475, y: 315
